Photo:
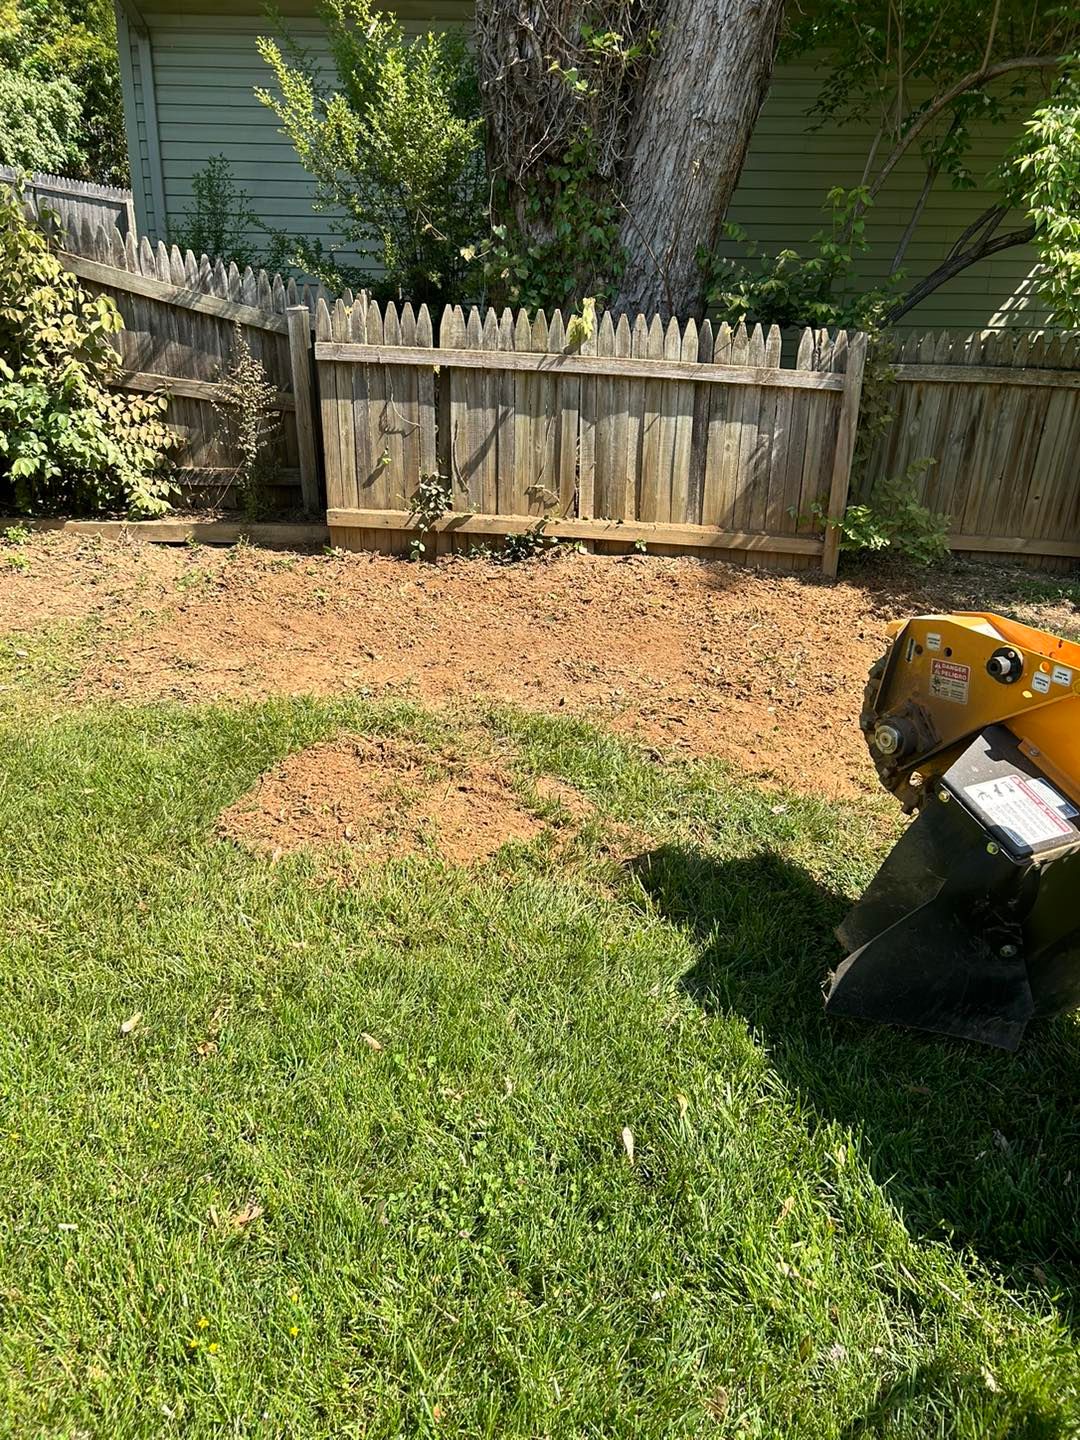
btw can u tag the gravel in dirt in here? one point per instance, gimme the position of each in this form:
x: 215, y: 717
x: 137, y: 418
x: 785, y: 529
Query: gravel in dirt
x: 762, y: 670
x: 383, y: 799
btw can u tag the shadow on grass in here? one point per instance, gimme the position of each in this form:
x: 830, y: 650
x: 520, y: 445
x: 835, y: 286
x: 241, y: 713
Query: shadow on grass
x: 972, y: 1145
x: 921, y: 1405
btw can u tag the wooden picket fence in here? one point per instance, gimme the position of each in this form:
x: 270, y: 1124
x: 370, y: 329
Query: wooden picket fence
x: 180, y: 317
x: 998, y: 415
x: 74, y: 203
x: 679, y: 437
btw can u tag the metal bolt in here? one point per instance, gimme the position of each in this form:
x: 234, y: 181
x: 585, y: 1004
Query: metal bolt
x: 943, y: 796
x: 992, y: 848
x: 1007, y: 951
x: 888, y: 739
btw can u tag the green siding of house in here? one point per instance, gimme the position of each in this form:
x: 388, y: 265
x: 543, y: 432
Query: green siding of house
x: 205, y: 68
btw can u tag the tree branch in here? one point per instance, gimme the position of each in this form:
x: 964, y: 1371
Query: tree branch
x: 953, y: 266
x: 988, y: 221
x: 975, y: 78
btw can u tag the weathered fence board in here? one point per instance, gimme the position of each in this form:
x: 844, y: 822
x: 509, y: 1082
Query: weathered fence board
x: 997, y: 416
x: 665, y: 434
x: 75, y: 202
x: 180, y: 316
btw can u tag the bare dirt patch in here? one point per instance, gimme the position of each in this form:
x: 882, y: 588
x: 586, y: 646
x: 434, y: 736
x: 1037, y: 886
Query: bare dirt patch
x: 382, y: 799
x: 700, y: 658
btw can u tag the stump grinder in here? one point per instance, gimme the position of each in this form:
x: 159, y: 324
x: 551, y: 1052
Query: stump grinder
x: 972, y: 925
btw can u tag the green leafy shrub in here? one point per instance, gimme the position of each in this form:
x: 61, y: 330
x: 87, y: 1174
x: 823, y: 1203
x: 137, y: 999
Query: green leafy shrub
x: 1046, y: 171
x: 66, y: 440
x: 894, y: 518
x: 582, y: 251
x: 219, y: 220
x: 395, y: 148
x: 789, y: 289
x: 60, y: 101
x: 39, y: 121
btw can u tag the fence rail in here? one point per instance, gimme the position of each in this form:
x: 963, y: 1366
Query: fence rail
x: 997, y: 416
x: 678, y: 437
x: 673, y: 436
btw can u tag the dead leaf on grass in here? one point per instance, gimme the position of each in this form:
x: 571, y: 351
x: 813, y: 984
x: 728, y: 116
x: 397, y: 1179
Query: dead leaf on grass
x: 370, y: 1041
x: 683, y: 1104
x: 239, y: 1219
x: 785, y: 1209
x: 131, y: 1023
x: 628, y: 1143
x: 717, y: 1403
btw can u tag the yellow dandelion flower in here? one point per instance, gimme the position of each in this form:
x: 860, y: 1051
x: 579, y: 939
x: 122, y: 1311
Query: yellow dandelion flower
x: 294, y: 1329
x: 213, y: 1347
x: 194, y: 1343
x: 203, y: 1322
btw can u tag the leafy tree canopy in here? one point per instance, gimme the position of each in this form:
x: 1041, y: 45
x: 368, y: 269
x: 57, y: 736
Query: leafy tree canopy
x: 60, y: 105
x: 925, y: 76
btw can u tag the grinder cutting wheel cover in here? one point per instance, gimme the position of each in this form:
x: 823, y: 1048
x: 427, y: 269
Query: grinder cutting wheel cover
x: 972, y: 925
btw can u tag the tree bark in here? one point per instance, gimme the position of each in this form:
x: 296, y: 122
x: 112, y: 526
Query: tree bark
x: 693, y: 118
x: 668, y: 131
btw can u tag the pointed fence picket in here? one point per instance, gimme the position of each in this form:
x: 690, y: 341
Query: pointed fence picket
x: 671, y: 435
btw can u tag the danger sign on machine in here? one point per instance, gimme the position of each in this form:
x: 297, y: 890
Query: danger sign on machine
x: 950, y: 681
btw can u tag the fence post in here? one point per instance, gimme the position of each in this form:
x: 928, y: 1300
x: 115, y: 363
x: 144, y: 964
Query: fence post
x: 299, y: 321
x: 845, y: 449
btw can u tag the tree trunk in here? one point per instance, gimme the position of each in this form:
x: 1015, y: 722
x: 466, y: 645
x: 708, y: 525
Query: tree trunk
x: 668, y: 114
x: 693, y: 118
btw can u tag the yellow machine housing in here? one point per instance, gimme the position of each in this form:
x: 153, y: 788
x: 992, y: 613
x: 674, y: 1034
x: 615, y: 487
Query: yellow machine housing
x: 970, y: 927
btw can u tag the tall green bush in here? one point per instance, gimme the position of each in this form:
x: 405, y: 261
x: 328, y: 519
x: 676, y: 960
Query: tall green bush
x: 68, y: 442
x: 219, y: 221
x: 60, y: 103
x: 395, y: 146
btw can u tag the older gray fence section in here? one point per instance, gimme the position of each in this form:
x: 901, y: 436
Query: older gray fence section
x: 181, y: 315
x: 77, y: 202
x: 998, y: 416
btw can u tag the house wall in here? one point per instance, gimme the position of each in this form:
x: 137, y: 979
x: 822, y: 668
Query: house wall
x: 205, y: 67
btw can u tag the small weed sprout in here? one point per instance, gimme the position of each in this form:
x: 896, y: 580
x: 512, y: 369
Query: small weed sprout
x: 527, y: 545
x: 17, y: 534
x: 250, y: 421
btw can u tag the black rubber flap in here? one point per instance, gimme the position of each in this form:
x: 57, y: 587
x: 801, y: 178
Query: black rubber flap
x: 930, y: 971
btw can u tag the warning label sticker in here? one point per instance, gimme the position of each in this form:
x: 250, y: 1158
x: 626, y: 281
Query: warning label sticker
x: 1041, y: 682
x: 933, y: 642
x: 1062, y: 675
x: 950, y: 681
x: 1014, y: 805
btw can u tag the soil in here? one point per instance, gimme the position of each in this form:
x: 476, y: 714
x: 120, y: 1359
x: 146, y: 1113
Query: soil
x: 384, y: 799
x: 698, y: 658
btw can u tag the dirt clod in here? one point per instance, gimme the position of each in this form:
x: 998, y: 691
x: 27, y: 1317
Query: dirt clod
x: 383, y: 799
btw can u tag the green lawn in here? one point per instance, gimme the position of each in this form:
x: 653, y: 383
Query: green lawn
x: 825, y: 1231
